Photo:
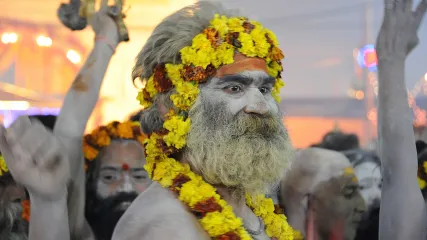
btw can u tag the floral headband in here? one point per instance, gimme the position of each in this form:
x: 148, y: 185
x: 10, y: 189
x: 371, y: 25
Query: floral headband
x: 102, y: 136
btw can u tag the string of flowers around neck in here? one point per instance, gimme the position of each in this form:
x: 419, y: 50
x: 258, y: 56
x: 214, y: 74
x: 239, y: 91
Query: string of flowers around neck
x: 211, y: 49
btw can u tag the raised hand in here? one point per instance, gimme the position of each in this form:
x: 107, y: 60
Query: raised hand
x: 398, y: 33
x: 35, y: 158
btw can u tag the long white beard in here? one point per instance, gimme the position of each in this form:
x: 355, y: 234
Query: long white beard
x: 244, y: 152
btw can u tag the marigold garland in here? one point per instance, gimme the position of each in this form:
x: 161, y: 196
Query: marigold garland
x: 422, y: 175
x: 26, y: 210
x: 3, y: 166
x: 102, y: 136
x: 212, y: 48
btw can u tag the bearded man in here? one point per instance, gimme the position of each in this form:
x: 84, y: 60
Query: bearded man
x: 320, y: 195
x: 12, y: 225
x: 216, y: 132
x: 115, y: 175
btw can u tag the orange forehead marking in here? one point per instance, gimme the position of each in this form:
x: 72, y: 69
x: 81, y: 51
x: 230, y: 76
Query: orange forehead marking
x: 242, y: 63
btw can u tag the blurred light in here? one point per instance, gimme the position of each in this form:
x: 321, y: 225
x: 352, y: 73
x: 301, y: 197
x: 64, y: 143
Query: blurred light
x: 11, y: 37
x: 73, y: 56
x: 359, y: 95
x: 14, y: 105
x: 425, y: 77
x: 43, y: 41
x: 367, y: 58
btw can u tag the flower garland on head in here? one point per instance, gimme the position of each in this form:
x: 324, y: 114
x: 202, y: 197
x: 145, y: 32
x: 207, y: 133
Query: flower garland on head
x: 102, y: 136
x: 211, y: 49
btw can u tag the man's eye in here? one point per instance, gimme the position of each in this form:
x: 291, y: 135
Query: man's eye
x: 140, y: 177
x: 109, y: 178
x: 233, y: 89
x: 264, y: 90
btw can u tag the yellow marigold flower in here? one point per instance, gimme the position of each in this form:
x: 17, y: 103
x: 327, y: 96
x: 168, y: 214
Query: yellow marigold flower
x: 185, y: 96
x: 421, y: 183
x: 218, y: 223
x: 235, y: 25
x: 248, y: 47
x: 150, y: 87
x: 124, y: 130
x: 194, y: 191
x: 224, y: 55
x: 174, y: 73
x: 178, y: 129
x: 142, y: 102
x: 3, y: 166
x: 261, y: 45
x: 243, y: 234
x: 220, y: 24
x: 276, y: 89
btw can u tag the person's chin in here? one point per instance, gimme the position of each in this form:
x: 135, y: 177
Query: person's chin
x: 123, y: 206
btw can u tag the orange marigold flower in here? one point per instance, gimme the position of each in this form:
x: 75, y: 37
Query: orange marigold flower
x: 26, y: 210
x: 248, y: 26
x: 276, y: 54
x: 178, y: 181
x: 229, y: 236
x: 112, y: 129
x: 90, y: 153
x: 231, y: 38
x: 208, y: 205
x: 125, y: 130
x: 102, y: 138
x: 162, y: 83
x: 213, y: 36
x: 278, y: 209
x: 197, y: 74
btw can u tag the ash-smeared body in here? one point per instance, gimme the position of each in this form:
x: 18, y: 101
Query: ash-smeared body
x: 237, y: 141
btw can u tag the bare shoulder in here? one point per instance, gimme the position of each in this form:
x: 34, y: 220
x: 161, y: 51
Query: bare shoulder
x: 158, y: 214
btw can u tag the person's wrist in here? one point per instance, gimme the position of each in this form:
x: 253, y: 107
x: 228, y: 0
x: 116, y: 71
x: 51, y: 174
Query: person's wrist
x: 107, y: 41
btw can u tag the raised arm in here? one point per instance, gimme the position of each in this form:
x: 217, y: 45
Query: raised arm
x: 83, y: 94
x: 36, y: 160
x: 403, y: 214
x: 77, y: 108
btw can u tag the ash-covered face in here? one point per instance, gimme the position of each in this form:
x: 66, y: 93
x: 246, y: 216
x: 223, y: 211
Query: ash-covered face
x: 370, y: 182
x: 339, y: 207
x: 237, y: 136
x: 120, y: 179
x: 12, y: 225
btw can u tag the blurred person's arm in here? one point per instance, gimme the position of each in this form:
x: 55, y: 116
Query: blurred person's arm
x: 78, y: 105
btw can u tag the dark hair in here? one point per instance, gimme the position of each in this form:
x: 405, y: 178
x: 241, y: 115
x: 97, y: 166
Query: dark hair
x: 47, y: 120
x: 338, y: 141
x: 358, y: 156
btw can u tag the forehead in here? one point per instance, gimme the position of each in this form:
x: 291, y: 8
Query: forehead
x: 367, y: 169
x: 129, y: 152
x: 247, y: 77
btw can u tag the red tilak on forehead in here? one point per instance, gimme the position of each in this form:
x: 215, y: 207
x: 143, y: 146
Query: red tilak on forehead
x: 125, y: 166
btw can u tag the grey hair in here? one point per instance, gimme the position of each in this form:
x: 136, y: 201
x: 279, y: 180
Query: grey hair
x: 163, y: 46
x: 174, y: 33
